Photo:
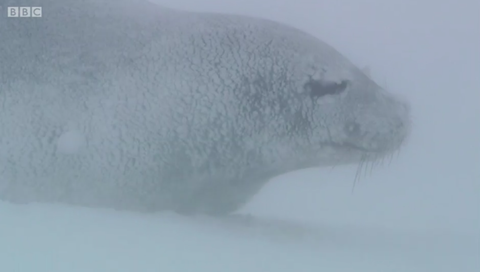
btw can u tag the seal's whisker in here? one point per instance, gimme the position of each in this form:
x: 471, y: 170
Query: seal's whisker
x: 397, y: 153
x: 374, y: 162
x: 390, y: 156
x: 358, y: 173
x: 365, y: 172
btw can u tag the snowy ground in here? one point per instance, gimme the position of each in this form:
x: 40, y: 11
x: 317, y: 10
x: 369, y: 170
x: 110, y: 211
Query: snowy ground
x: 420, y: 213
x: 54, y: 238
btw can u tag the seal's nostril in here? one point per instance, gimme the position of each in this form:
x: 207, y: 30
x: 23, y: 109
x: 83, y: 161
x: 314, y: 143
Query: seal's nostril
x: 400, y: 125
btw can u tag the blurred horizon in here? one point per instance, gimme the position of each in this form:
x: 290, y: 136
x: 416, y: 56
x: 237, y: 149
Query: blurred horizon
x: 421, y: 212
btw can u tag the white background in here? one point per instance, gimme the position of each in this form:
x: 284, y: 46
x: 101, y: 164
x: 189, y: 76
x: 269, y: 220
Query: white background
x: 420, y: 213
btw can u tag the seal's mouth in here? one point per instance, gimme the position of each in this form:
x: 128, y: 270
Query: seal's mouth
x: 351, y: 146
x: 375, y: 152
x: 366, y: 159
x: 371, y: 152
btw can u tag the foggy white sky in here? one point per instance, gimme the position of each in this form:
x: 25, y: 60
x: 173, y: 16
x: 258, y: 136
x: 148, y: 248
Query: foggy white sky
x: 428, y: 51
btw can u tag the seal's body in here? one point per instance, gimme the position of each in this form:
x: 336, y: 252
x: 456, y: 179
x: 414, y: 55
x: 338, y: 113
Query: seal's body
x: 125, y: 104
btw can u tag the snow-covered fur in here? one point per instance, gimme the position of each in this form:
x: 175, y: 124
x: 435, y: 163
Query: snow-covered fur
x: 129, y: 105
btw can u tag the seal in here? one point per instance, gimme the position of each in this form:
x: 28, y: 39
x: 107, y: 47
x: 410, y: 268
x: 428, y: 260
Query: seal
x: 129, y: 105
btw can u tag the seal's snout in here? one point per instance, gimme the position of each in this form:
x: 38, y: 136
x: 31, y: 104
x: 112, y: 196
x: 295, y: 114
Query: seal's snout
x: 380, y: 128
x: 401, y: 116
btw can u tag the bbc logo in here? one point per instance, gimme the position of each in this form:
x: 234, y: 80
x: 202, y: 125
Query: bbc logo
x: 24, y: 11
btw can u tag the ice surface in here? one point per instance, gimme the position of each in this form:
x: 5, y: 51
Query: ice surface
x: 51, y: 238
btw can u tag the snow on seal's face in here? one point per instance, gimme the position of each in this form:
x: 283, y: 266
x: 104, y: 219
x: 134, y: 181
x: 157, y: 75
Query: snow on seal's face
x: 321, y: 108
x: 353, y: 117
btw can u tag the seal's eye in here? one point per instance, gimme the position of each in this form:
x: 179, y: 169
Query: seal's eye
x: 319, y: 88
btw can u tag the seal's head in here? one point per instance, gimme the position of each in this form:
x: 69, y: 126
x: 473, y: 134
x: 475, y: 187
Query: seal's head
x: 335, y: 113
x: 356, y: 118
